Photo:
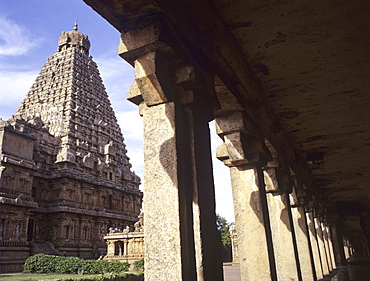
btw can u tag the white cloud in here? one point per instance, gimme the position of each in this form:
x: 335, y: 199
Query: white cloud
x: 117, y: 76
x: 15, y: 78
x: 15, y: 39
x: 131, y: 124
x: 14, y: 87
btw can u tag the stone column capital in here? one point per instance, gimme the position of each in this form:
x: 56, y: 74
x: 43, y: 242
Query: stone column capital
x: 163, y: 70
x: 299, y: 195
x: 277, y: 180
x: 242, y: 144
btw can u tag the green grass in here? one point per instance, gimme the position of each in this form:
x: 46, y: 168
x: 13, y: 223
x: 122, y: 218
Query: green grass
x: 39, y: 277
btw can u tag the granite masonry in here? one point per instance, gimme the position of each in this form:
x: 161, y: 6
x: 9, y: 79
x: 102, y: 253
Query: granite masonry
x: 65, y: 178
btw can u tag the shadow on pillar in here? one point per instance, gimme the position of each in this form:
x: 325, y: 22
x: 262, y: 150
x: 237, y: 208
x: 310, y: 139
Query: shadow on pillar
x: 201, y: 249
x: 303, y: 224
x: 266, y: 220
x: 291, y: 227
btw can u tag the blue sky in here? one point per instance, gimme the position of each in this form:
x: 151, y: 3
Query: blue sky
x: 29, y: 32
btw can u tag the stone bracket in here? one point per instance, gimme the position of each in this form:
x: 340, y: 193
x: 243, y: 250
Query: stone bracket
x: 240, y: 149
x: 162, y: 70
x: 277, y: 180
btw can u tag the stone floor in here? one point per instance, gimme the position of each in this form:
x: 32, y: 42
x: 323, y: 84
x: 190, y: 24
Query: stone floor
x: 355, y: 271
x: 358, y: 269
x: 231, y: 273
x: 349, y: 273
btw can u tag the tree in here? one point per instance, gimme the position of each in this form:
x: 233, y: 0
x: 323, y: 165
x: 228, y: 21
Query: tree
x: 223, y: 228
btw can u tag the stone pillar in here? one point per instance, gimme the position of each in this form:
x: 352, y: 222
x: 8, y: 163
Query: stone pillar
x: 245, y: 155
x: 321, y: 243
x: 300, y: 229
x: 347, y: 248
x: 284, y: 243
x: 314, y: 245
x: 125, y: 247
x: 338, y: 246
x: 330, y: 243
x: 302, y: 234
x: 110, y: 248
x: 163, y: 247
x: 171, y: 172
x: 181, y: 239
x: 326, y: 245
x: 365, y: 224
x: 253, y: 251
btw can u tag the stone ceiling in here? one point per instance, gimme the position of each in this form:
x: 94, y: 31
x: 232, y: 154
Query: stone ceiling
x: 311, y: 59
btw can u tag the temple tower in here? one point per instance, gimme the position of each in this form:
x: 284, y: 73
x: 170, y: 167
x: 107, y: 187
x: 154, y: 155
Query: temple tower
x: 70, y: 99
x: 65, y: 178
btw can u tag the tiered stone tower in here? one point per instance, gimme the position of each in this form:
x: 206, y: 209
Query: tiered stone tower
x: 70, y: 100
x: 65, y: 177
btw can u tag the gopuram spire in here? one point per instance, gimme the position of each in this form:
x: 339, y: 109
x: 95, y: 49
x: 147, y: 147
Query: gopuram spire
x: 69, y: 99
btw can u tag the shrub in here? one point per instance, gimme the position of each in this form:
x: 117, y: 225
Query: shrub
x: 55, y: 264
x: 40, y: 264
x: 139, y: 265
x: 68, y: 265
x: 109, y: 277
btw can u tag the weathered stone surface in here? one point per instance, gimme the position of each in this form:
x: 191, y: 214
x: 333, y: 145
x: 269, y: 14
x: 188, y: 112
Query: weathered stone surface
x: 188, y: 208
x: 330, y: 246
x: 314, y: 245
x: 126, y: 245
x: 282, y: 240
x: 321, y: 246
x: 17, y: 143
x: 303, y: 246
x: 161, y: 181
x: 230, y: 123
x: 234, y: 245
x: 282, y: 237
x: 253, y: 255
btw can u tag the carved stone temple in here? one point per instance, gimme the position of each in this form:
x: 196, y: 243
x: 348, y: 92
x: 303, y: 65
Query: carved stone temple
x: 126, y: 245
x: 65, y: 178
x: 287, y: 83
